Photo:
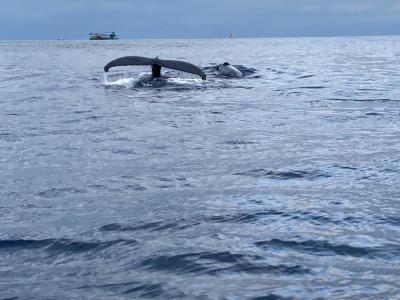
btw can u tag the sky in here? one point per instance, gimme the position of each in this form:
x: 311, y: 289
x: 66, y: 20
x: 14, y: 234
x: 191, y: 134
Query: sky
x: 74, y: 19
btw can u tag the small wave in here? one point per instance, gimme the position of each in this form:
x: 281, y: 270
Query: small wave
x: 59, y: 192
x: 345, y: 167
x: 271, y: 297
x: 152, y: 226
x: 268, y: 215
x: 93, y: 117
x: 214, y: 112
x: 8, y: 137
x: 284, y: 175
x: 305, y: 76
x: 326, y: 248
x: 59, y: 246
x: 145, y: 290
x: 134, y: 187
x: 362, y: 100
x: 82, y: 111
x: 214, y: 263
x: 318, y: 87
x: 232, y: 142
x: 123, y: 151
x: 394, y: 221
x: 243, y: 217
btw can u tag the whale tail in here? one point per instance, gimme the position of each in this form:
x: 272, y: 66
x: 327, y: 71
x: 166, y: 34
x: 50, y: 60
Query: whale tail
x: 156, y: 65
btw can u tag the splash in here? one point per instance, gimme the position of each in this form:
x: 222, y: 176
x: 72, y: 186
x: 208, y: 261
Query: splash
x: 186, y: 81
x: 124, y: 82
x: 146, y: 80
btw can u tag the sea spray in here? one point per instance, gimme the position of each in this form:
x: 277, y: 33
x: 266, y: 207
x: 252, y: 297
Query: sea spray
x: 105, y: 81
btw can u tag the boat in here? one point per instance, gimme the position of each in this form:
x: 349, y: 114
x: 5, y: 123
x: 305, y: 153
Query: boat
x: 102, y: 36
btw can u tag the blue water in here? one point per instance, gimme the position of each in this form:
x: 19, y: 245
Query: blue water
x: 281, y: 185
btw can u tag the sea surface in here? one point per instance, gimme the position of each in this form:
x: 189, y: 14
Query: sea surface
x: 283, y: 184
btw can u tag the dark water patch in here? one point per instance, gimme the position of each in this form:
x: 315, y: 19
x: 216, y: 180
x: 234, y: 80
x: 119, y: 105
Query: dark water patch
x: 186, y: 263
x: 271, y: 297
x: 68, y: 246
x: 214, y: 263
x: 362, y: 100
x: 94, y: 117
x: 305, y: 76
x: 24, y: 244
x: 247, y: 71
x: 82, y: 111
x: 59, y: 246
x: 22, y: 77
x: 317, y: 87
x: 123, y: 151
x: 8, y: 137
x: 123, y: 227
x: 146, y: 290
x: 68, y: 132
x: 278, y: 216
x: 327, y: 248
x: 164, y: 186
x: 13, y: 114
x: 71, y: 121
x: 394, y: 221
x: 372, y: 90
x: 151, y: 226
x: 214, y: 112
x: 345, y: 167
x: 60, y: 192
x: 164, y: 179
x: 232, y: 142
x: 285, y: 175
x: 134, y: 289
x: 134, y: 187
x: 243, y: 217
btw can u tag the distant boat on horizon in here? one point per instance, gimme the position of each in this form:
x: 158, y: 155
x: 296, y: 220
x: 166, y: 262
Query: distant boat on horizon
x: 102, y: 36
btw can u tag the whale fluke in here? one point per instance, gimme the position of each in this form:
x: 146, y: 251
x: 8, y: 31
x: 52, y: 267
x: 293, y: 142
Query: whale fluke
x: 156, y: 65
x: 129, y: 61
x: 182, y: 66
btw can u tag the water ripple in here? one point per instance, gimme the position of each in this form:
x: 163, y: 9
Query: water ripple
x: 284, y: 175
x: 59, y: 246
x: 326, y: 248
x: 213, y: 263
x: 133, y: 288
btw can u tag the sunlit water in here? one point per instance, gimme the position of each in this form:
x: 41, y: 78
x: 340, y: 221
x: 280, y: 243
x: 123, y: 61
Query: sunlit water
x: 281, y: 185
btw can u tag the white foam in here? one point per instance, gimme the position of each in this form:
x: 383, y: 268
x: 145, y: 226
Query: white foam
x: 144, y: 77
x: 124, y: 82
x: 185, y: 81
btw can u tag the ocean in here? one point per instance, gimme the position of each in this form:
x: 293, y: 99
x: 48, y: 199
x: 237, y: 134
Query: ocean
x: 283, y: 184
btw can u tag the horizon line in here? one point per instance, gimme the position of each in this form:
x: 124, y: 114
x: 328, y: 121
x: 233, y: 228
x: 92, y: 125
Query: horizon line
x: 209, y: 38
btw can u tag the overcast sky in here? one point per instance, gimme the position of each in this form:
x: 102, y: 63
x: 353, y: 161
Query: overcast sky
x: 74, y: 19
